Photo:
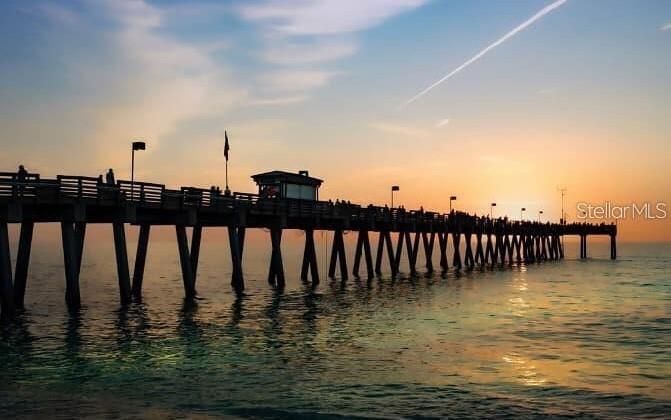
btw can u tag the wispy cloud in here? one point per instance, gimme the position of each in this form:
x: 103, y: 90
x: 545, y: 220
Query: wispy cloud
x: 399, y: 129
x: 301, y: 33
x: 307, y: 52
x: 325, y: 17
x: 286, y: 100
x: 442, y: 122
x: 665, y: 27
x: 295, y: 80
x: 544, y: 11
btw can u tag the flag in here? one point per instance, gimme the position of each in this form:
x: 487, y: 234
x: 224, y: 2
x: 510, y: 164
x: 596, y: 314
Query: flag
x: 454, y: 197
x: 139, y: 145
x: 395, y: 188
x: 226, y: 146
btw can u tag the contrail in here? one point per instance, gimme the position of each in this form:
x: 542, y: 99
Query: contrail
x: 544, y: 11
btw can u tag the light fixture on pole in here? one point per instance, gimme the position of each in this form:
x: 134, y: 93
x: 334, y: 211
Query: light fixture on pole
x: 540, y: 212
x: 491, y: 210
x: 562, y: 190
x: 136, y: 145
x: 452, y: 198
x: 393, y: 188
x: 522, y: 213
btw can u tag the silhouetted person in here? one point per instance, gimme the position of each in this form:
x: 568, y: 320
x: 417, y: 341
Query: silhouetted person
x: 109, y: 177
x: 22, y: 174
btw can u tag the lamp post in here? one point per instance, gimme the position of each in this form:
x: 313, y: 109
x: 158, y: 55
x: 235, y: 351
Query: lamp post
x: 136, y: 145
x: 393, y: 188
x: 563, y: 214
x: 540, y: 212
x: 491, y: 210
x: 452, y: 198
x: 522, y: 213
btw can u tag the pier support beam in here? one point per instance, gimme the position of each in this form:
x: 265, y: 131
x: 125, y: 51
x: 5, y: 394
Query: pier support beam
x: 469, y: 260
x: 456, y: 240
x: 276, y: 272
x: 613, y: 247
x: 429, y: 241
x: 442, y: 244
x: 384, y: 241
x: 6, y: 283
x: 236, y: 241
x: 140, y: 260
x: 185, y: 262
x: 489, y: 251
x: 121, y: 253
x: 71, y: 261
x: 363, y: 246
x: 194, y: 255
x: 413, y: 250
x: 338, y: 255
x: 479, y: 253
x: 509, y: 249
x: 517, y: 245
x: 22, y: 262
x: 310, y: 258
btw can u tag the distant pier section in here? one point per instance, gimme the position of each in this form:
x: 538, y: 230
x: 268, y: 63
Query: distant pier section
x: 285, y: 200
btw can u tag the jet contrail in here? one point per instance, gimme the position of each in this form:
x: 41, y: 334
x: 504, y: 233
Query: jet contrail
x: 544, y: 11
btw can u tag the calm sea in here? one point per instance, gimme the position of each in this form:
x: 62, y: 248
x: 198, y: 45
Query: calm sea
x: 567, y: 339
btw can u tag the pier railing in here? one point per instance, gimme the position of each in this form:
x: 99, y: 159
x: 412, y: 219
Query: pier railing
x: 74, y: 201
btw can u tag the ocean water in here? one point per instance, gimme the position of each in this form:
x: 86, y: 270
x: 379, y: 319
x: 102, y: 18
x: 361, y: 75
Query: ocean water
x: 577, y: 339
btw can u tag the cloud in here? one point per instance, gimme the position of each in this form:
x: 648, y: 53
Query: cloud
x: 442, y: 122
x: 665, y: 27
x: 399, y: 129
x: 295, y: 80
x: 287, y: 100
x: 325, y: 17
x: 298, y: 33
x: 306, y: 52
x: 544, y: 11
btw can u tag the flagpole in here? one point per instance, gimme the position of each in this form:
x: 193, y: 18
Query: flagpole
x: 227, y: 191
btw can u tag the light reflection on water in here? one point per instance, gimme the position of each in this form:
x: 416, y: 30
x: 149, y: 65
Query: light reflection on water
x: 570, y: 338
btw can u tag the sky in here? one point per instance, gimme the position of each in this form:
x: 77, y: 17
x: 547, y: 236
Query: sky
x: 546, y: 95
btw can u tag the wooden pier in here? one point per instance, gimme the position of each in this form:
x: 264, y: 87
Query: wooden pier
x: 75, y: 201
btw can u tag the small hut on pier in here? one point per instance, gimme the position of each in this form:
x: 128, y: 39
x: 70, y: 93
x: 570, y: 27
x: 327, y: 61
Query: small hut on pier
x: 282, y: 184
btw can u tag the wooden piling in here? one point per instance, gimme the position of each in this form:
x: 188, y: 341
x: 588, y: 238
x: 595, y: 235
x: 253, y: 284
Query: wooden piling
x: 413, y: 250
x: 140, y: 261
x: 121, y: 262
x: 22, y: 262
x: 276, y: 272
x: 613, y: 247
x: 479, y: 253
x: 489, y: 251
x: 6, y: 283
x: 185, y: 262
x: 456, y: 240
x: 236, y: 238
x: 442, y: 245
x: 469, y: 260
x: 428, y: 242
x: 194, y: 254
x: 310, y: 258
x: 338, y: 255
x: 70, y: 261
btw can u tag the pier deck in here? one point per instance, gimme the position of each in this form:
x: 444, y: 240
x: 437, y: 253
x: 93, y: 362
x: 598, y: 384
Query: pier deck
x: 75, y: 201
